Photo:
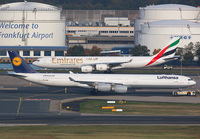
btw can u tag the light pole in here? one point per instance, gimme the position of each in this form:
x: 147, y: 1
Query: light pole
x: 181, y: 64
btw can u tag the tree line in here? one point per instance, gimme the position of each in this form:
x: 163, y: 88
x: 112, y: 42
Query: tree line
x: 107, y: 4
x: 189, y: 52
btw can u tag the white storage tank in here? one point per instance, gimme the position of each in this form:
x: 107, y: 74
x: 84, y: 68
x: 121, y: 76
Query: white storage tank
x: 31, y: 24
x: 156, y: 34
x: 165, y: 12
x: 169, y: 11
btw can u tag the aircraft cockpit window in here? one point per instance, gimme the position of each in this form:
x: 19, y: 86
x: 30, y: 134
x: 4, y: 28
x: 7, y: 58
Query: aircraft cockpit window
x: 190, y: 79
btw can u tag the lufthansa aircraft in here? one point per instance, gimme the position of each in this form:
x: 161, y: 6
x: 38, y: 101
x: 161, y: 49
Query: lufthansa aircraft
x: 118, y: 83
x: 89, y: 64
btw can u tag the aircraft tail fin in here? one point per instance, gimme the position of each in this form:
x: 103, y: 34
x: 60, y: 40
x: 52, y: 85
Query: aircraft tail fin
x: 168, y: 51
x: 170, y: 48
x: 18, y: 63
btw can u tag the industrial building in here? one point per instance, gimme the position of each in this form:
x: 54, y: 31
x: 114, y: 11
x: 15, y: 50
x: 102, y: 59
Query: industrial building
x: 159, y: 23
x: 104, y: 37
x: 112, y: 32
x: 103, y: 28
x: 97, y: 15
x: 31, y: 26
x: 100, y: 31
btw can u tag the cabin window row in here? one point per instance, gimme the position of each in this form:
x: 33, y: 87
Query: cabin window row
x: 112, y: 31
x: 116, y: 31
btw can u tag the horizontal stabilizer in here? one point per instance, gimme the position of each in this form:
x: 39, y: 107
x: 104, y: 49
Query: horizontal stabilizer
x: 173, y: 58
x: 14, y: 74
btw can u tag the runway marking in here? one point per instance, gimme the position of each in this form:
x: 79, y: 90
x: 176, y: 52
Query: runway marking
x: 28, y: 84
x: 198, y: 75
x: 58, y: 90
x: 20, y: 101
x: 45, y: 93
x: 65, y: 90
x: 59, y: 113
x: 10, y: 96
x: 37, y: 99
x: 60, y: 106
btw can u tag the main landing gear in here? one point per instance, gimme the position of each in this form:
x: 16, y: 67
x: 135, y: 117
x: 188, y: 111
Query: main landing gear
x: 45, y: 69
x: 108, y: 71
x: 94, y: 92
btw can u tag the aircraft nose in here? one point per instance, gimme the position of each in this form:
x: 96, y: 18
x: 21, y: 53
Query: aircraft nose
x: 193, y: 82
x: 36, y: 63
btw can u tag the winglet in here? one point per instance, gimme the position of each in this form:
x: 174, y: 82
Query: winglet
x: 18, y: 63
x: 70, y: 72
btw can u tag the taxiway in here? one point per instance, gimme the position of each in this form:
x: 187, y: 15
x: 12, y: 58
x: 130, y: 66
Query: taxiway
x: 25, y: 103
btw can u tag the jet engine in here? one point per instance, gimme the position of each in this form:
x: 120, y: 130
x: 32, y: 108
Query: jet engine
x: 108, y: 87
x: 86, y: 68
x: 102, y: 67
x: 103, y: 87
x: 120, y: 89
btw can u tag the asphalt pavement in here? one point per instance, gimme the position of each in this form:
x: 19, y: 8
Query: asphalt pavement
x: 25, y: 103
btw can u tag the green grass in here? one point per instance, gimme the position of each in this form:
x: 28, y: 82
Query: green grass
x: 99, y: 132
x: 141, y: 108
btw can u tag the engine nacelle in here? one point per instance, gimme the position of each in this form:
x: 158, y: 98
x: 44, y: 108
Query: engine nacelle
x: 86, y: 68
x: 102, y: 67
x: 120, y: 89
x: 103, y: 87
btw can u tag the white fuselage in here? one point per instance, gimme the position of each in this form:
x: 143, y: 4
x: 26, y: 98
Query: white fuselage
x: 129, y: 80
x: 77, y: 62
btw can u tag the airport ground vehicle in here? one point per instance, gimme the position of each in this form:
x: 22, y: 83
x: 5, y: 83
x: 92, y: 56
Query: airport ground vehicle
x: 167, y: 67
x: 188, y: 93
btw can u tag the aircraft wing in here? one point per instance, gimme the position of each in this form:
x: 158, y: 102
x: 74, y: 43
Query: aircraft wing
x: 116, y: 64
x: 111, y: 64
x: 93, y: 83
x: 173, y: 58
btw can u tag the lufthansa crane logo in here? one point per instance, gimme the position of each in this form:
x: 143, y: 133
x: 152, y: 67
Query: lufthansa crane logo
x: 17, y: 61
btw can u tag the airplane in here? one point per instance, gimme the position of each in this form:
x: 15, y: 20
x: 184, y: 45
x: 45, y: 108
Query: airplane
x: 102, y: 63
x: 119, y: 83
